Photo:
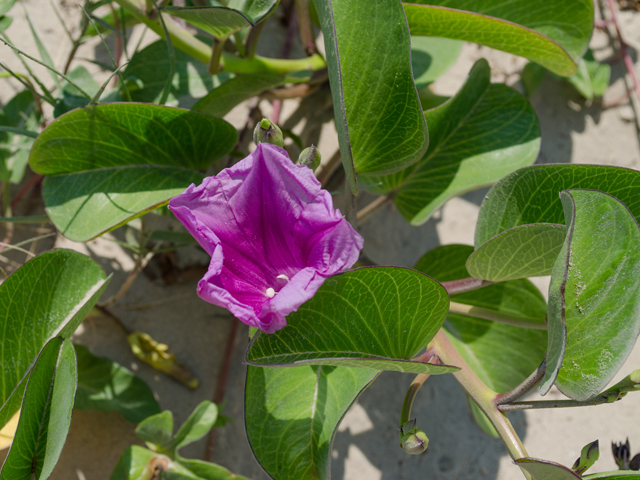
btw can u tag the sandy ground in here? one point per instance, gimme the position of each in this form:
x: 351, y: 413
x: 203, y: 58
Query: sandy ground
x: 366, y: 443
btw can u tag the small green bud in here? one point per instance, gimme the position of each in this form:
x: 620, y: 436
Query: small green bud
x: 310, y: 157
x: 630, y: 383
x: 588, y: 456
x: 267, y: 132
x: 415, y: 443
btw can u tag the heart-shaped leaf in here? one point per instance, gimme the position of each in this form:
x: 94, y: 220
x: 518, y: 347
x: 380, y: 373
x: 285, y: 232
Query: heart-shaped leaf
x: 109, y: 387
x: 377, y: 318
x: 45, y: 415
x: 482, y: 134
x: 381, y: 128
x: 48, y: 296
x: 122, y: 160
x: 545, y: 470
x: 531, y: 195
x: 87, y: 204
x: 552, y: 34
x: 123, y: 134
x: 222, y: 21
x: 594, y: 298
x: 520, y: 252
x: 291, y: 415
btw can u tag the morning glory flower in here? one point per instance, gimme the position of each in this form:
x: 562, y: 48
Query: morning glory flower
x: 272, y: 233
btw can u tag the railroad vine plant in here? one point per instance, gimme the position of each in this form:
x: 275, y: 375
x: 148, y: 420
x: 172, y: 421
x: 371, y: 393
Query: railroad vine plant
x: 285, y: 260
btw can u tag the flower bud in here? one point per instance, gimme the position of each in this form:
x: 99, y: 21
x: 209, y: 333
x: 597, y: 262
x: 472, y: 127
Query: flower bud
x: 310, y: 157
x: 588, y: 456
x: 621, y: 454
x: 267, y: 132
x: 415, y: 443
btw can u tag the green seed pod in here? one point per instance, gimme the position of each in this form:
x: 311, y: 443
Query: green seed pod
x: 267, y: 132
x: 310, y: 157
x: 415, y: 443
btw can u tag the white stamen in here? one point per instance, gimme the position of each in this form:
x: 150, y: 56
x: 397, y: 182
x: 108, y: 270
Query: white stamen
x: 271, y: 292
x: 284, y: 277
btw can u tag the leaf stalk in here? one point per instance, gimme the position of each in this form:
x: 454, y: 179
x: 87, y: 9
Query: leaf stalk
x: 481, y: 394
x: 496, y: 316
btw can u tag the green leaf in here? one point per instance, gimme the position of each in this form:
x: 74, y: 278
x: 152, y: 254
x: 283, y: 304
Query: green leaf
x: 20, y: 112
x: 520, y: 252
x: 6, y: 5
x: 48, y: 296
x: 222, y: 21
x: 554, y: 35
x: 222, y: 99
x: 109, y: 387
x: 208, y: 471
x: 592, y: 77
x: 291, y: 415
x: 45, y: 416
x: 196, y: 426
x: 483, y: 133
x: 87, y: 204
x: 70, y: 96
x: 150, y: 67
x: 545, y: 470
x: 501, y: 355
x: 431, y: 57
x: 133, y: 464
x: 111, y: 135
x: 377, y: 318
x: 157, y: 429
x: 136, y: 463
x: 381, y: 128
x: 594, y: 301
x: 531, y: 195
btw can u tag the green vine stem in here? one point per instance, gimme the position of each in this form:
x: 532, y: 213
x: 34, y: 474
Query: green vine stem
x: 199, y: 50
x: 496, y: 316
x: 535, y: 404
x: 480, y: 393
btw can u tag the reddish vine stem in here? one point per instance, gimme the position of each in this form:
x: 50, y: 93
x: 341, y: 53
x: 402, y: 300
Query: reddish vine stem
x: 464, y: 285
x: 624, y: 48
x: 221, y: 385
x: 525, y: 387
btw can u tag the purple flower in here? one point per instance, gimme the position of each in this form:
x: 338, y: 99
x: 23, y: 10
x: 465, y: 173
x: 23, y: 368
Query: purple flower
x: 272, y: 233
